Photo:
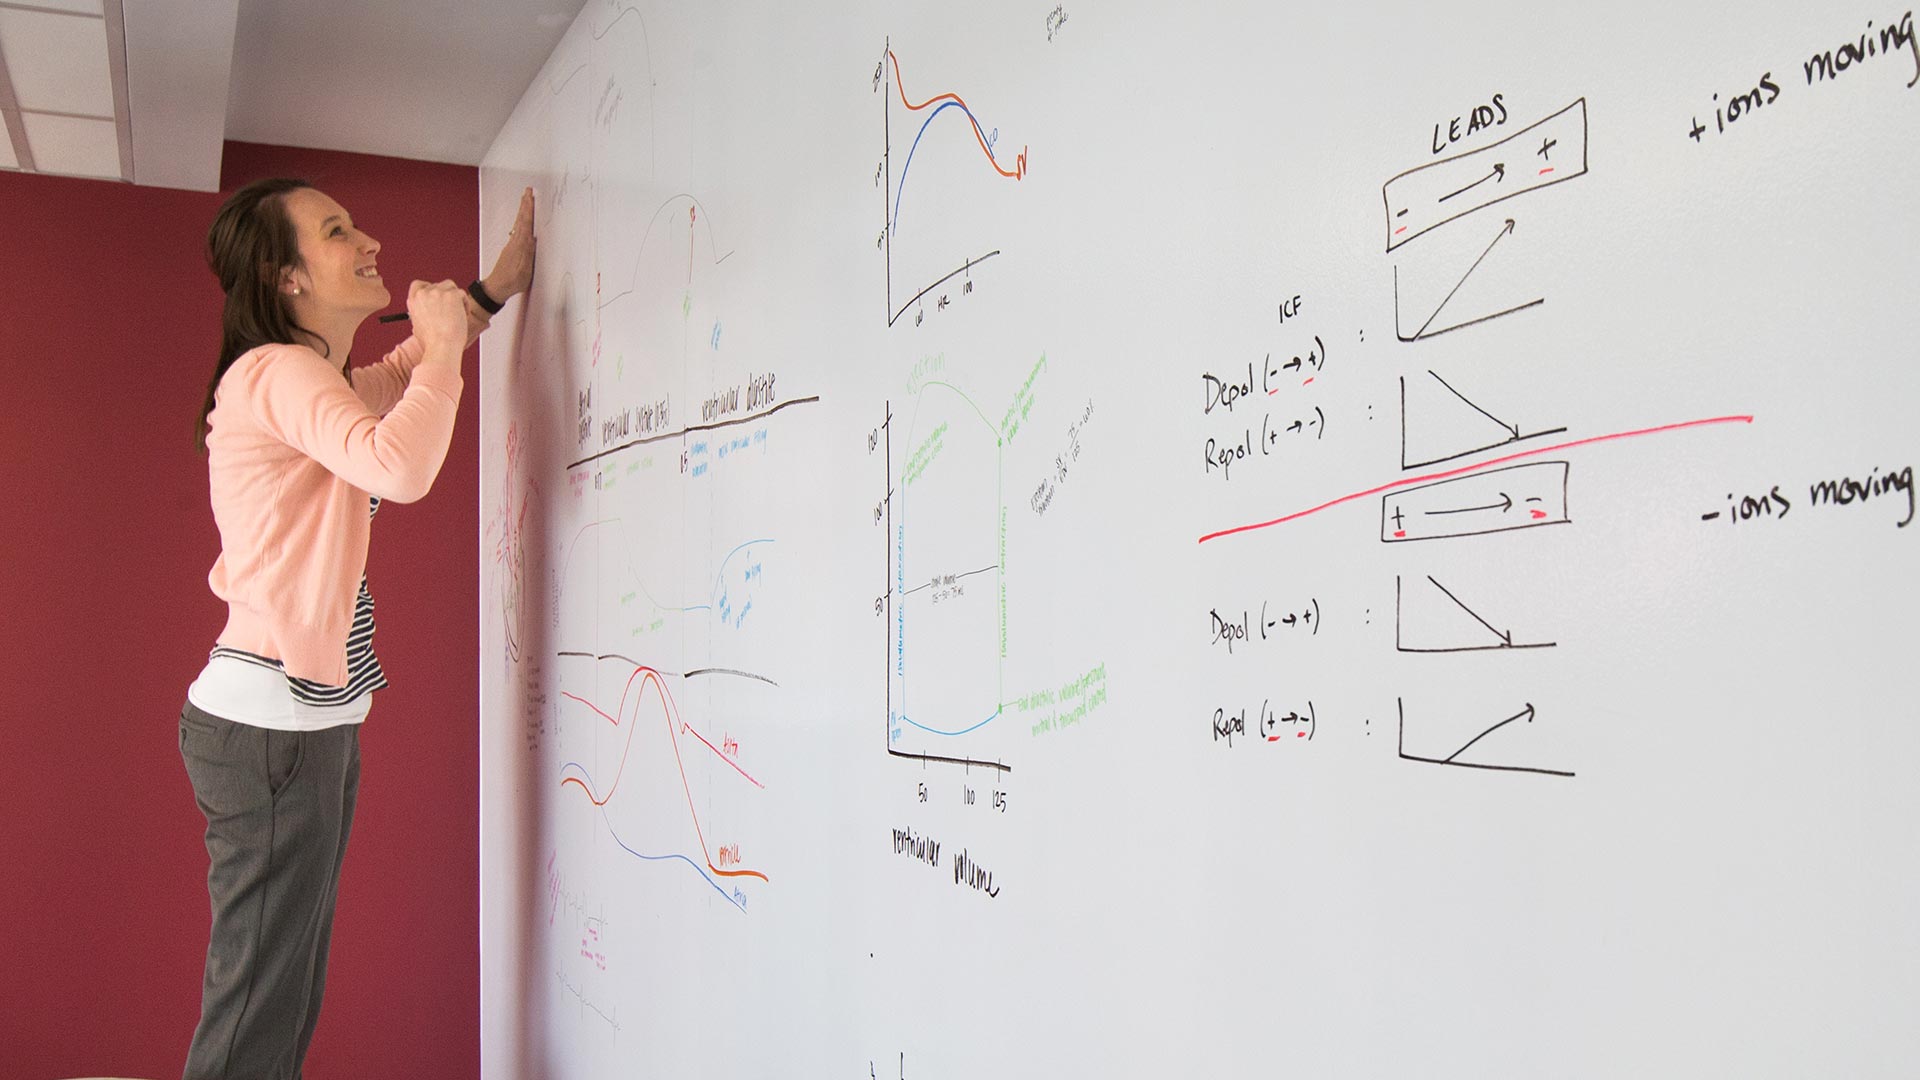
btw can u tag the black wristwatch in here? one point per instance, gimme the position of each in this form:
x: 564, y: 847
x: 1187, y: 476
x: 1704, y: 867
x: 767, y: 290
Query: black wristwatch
x: 487, y: 303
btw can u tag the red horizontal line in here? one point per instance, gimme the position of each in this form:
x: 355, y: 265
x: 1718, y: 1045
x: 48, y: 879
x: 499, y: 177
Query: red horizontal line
x: 1465, y: 469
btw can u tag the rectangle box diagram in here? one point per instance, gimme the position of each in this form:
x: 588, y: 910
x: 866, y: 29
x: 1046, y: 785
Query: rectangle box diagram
x: 1546, y: 153
x: 1516, y: 497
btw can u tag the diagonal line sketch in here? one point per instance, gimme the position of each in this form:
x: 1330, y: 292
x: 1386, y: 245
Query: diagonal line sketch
x: 1457, y: 432
x: 1452, y: 759
x: 1498, y: 639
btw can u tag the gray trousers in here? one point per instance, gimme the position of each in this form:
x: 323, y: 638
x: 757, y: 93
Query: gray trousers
x: 279, y: 805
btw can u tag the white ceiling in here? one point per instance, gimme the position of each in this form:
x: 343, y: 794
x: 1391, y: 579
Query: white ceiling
x: 432, y: 80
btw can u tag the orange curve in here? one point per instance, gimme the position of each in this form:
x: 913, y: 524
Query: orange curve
x: 669, y: 712
x: 1021, y: 160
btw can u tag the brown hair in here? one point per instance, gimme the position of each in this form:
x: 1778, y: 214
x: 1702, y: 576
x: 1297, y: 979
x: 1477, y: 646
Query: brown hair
x: 250, y: 243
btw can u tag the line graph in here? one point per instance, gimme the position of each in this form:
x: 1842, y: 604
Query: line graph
x: 694, y: 219
x: 1437, y: 628
x: 1525, y: 715
x: 626, y: 716
x: 941, y: 248
x: 716, y: 597
x: 895, y: 599
x: 1445, y: 428
x: 947, y: 101
x: 1426, y: 328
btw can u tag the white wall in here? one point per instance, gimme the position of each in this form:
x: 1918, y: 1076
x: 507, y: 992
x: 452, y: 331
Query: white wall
x: 980, y: 521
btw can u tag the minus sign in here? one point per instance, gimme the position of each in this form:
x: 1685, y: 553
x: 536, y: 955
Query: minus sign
x: 1710, y: 517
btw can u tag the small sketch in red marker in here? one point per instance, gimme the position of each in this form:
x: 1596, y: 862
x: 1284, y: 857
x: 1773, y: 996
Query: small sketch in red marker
x: 1299, y: 734
x: 1273, y: 738
x: 1546, y: 170
x: 1399, y: 230
x: 1308, y: 382
x: 1400, y: 533
x: 1538, y: 514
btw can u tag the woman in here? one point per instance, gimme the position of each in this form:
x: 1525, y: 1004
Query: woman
x: 301, y: 450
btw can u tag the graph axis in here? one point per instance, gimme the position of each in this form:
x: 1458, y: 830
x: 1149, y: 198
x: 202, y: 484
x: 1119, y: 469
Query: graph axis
x: 1527, y: 713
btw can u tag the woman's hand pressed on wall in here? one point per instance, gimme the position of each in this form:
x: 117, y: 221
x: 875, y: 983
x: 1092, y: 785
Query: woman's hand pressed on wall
x: 512, y: 272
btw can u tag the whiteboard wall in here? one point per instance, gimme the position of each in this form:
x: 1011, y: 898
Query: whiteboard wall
x: 1038, y: 540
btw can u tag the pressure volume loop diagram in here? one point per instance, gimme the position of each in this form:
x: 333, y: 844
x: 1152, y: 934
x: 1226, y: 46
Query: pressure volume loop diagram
x: 892, y: 605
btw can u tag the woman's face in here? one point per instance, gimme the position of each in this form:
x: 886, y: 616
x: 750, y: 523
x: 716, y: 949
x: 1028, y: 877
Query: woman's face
x: 338, y: 274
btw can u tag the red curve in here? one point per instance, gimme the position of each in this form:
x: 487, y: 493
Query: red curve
x: 670, y: 712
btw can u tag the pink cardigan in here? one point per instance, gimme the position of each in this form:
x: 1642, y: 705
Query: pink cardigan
x: 293, y: 451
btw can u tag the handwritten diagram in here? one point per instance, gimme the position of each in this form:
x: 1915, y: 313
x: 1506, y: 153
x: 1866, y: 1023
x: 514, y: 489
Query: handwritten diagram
x: 644, y: 698
x: 1487, y: 749
x: 1465, y: 279
x: 1436, y: 620
x: 1439, y: 423
x: 943, y: 517
x: 932, y: 242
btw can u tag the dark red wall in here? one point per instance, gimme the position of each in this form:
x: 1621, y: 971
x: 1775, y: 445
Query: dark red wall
x: 109, y: 321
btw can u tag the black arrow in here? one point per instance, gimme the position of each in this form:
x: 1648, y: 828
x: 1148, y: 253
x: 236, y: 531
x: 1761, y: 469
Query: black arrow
x: 1504, y: 230
x: 1505, y: 504
x: 1498, y: 175
x: 1524, y: 714
x: 1505, y: 636
x: 1515, y: 428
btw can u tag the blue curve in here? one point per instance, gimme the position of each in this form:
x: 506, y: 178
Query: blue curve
x: 962, y: 731
x: 916, y: 145
x: 701, y: 870
x: 718, y: 579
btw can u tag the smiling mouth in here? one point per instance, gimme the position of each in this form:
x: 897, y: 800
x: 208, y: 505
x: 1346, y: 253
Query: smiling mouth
x: 369, y: 272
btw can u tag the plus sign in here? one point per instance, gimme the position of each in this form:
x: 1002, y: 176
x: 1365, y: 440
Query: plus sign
x: 1399, y: 519
x: 1546, y: 145
x: 1697, y: 129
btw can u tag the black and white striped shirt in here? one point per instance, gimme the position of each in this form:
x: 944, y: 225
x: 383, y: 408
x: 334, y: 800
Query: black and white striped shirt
x: 307, y: 704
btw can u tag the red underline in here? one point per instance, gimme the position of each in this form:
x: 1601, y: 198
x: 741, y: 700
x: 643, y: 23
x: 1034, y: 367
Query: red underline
x: 1464, y: 469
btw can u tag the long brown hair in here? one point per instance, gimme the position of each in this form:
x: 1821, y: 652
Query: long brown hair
x: 251, y: 242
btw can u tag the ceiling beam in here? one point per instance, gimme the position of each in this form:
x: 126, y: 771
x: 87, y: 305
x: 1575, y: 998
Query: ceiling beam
x: 179, y: 64
x: 117, y: 63
x: 10, y: 113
